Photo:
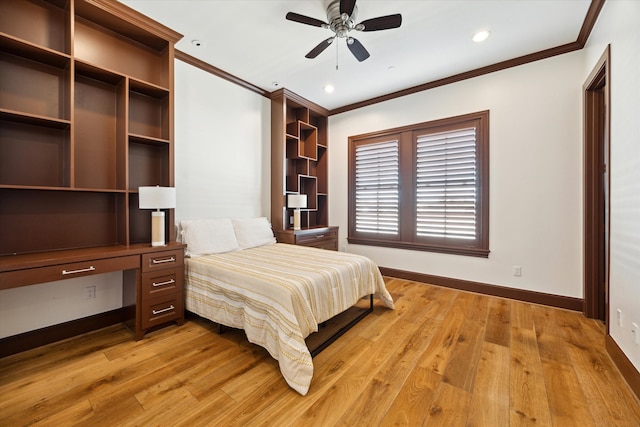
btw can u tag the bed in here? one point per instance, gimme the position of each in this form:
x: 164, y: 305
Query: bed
x: 277, y: 293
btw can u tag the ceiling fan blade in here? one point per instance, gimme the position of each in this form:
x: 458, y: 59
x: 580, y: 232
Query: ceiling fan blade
x: 381, y: 23
x: 296, y: 17
x: 357, y: 49
x: 320, y: 48
x: 347, y: 6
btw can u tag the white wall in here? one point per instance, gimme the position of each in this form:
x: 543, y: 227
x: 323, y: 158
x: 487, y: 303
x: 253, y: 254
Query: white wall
x: 222, y: 168
x: 223, y: 140
x: 535, y: 174
x: 618, y: 26
x: 37, y: 306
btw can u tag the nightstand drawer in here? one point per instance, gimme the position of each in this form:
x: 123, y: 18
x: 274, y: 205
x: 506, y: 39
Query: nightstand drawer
x: 161, y: 260
x: 320, y: 239
x: 156, y: 311
x: 329, y: 244
x: 162, y: 282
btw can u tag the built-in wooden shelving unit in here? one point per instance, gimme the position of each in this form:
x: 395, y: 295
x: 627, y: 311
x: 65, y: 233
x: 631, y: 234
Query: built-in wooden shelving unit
x: 86, y: 117
x: 299, y: 159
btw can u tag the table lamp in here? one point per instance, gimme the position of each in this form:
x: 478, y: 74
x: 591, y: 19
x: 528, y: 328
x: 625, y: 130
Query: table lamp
x: 296, y: 201
x: 157, y: 198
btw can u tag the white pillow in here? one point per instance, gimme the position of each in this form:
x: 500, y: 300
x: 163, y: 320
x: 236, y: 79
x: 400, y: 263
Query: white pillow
x: 252, y: 232
x: 208, y: 236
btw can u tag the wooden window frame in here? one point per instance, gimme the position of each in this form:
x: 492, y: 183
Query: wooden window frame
x: 406, y: 238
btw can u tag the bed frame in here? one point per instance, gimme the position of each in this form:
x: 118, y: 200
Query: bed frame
x: 330, y: 330
x: 335, y: 327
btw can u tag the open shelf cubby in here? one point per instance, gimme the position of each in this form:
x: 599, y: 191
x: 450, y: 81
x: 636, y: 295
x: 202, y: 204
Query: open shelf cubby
x: 149, y: 113
x: 49, y: 22
x: 46, y: 96
x: 114, y: 44
x: 41, y: 220
x: 33, y: 155
x: 148, y: 164
x: 99, y: 132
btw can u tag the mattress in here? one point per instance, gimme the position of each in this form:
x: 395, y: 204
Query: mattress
x: 278, y: 294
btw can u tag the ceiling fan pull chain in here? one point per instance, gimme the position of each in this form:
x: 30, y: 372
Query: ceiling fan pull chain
x: 337, y: 56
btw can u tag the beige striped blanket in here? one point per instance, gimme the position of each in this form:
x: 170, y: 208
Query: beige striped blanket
x: 279, y: 294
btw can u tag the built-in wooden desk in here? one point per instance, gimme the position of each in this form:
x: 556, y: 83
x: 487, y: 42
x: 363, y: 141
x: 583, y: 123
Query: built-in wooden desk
x: 152, y: 278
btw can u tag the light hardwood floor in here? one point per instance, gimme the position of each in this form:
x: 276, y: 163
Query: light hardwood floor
x: 442, y: 357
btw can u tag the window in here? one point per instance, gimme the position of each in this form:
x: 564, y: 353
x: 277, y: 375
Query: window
x: 423, y: 186
x: 377, y: 188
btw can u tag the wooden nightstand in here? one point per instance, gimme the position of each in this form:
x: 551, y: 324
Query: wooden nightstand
x: 161, y: 290
x: 318, y: 237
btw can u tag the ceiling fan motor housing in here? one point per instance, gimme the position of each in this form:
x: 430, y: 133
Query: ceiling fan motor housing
x: 338, y: 23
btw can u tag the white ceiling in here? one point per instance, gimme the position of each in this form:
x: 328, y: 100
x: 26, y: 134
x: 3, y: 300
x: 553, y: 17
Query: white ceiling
x: 251, y: 40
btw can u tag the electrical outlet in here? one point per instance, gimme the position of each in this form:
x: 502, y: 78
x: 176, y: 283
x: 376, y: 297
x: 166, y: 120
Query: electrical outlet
x: 517, y: 270
x: 619, y: 317
x: 89, y: 292
x: 635, y: 333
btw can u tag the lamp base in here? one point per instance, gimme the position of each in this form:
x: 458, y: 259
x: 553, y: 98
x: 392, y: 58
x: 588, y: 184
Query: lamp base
x: 157, y: 228
x: 296, y: 219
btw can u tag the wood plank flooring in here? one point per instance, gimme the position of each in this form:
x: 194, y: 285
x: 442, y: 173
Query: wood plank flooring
x: 442, y: 357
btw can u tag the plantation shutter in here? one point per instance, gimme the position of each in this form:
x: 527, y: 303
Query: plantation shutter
x: 446, y: 200
x: 377, y: 188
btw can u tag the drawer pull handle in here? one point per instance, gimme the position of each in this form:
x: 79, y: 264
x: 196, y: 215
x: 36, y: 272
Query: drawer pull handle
x: 319, y: 236
x: 82, y: 270
x: 162, y: 261
x: 164, y: 310
x: 168, y: 282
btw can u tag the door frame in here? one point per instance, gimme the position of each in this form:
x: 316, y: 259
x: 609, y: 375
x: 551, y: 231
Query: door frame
x: 596, y: 146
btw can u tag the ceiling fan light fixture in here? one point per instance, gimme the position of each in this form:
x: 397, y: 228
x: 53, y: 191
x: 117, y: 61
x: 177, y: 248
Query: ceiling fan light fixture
x: 341, y: 19
x: 481, y: 36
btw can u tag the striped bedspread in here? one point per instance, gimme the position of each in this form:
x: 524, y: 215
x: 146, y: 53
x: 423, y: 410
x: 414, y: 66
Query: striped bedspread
x: 279, y: 294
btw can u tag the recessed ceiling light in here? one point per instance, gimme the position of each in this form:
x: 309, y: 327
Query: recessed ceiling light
x: 328, y: 88
x: 197, y: 43
x: 481, y: 36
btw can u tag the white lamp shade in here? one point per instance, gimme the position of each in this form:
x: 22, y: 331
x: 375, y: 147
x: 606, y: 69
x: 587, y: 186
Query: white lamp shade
x: 297, y: 200
x: 157, y: 197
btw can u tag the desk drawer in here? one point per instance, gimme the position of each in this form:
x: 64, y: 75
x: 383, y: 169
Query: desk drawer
x: 161, y: 260
x: 156, y: 311
x: 162, y: 282
x: 11, y: 279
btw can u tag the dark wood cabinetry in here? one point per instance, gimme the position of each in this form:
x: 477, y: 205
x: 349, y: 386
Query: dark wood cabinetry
x: 86, y: 117
x: 161, y: 299
x: 299, y: 151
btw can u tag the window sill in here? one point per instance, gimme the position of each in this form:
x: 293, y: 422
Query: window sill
x: 451, y: 250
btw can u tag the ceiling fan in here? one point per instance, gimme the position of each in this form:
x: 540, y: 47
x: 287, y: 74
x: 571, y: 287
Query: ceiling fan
x: 341, y: 15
